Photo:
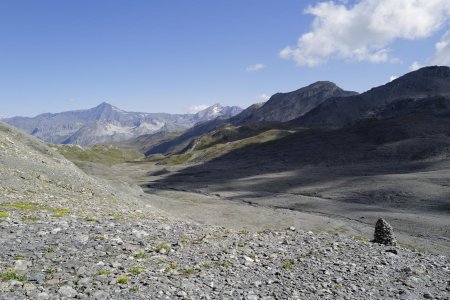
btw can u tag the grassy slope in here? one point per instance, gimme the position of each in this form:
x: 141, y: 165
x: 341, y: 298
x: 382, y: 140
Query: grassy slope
x: 102, y: 154
x: 210, y: 147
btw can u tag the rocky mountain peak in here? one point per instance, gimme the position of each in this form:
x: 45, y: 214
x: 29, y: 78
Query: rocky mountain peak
x: 431, y: 72
x: 322, y: 85
x: 423, y: 83
x: 283, y: 107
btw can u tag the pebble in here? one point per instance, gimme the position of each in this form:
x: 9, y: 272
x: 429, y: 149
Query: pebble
x: 67, y: 291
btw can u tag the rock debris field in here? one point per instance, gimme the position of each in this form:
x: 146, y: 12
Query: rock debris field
x: 73, y: 257
x: 66, y: 235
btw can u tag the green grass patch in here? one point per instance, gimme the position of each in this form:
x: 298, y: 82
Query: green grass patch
x: 4, y: 214
x: 51, y: 270
x: 360, y: 238
x: 171, y: 266
x: 104, y: 272
x: 139, y: 255
x: 136, y: 270
x: 57, y: 213
x: 341, y: 229
x: 288, y: 264
x: 102, y: 154
x: 177, y: 159
x: 187, y: 271
x: 122, y: 279
x: 5, y: 276
x: 184, y: 240
x: 49, y: 249
x: 162, y: 246
x: 209, y: 147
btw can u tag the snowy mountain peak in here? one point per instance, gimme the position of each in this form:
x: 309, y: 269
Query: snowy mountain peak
x: 217, y: 110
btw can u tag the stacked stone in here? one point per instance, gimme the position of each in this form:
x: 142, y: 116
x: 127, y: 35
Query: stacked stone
x: 384, y: 233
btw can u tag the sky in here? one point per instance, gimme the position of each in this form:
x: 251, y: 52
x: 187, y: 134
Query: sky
x: 179, y: 56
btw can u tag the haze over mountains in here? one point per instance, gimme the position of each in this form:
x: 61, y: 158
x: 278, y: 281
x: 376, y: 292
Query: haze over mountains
x: 107, y: 123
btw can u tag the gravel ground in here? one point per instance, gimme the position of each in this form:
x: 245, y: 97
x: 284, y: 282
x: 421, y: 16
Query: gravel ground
x: 137, y: 258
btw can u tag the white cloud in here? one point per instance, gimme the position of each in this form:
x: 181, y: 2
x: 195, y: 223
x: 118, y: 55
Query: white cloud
x: 393, y: 77
x: 364, y: 31
x: 442, y: 55
x: 415, y: 66
x: 196, y: 108
x: 263, y: 97
x: 255, y: 68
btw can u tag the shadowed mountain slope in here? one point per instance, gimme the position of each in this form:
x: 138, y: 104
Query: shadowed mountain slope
x: 338, y: 112
x: 283, y: 107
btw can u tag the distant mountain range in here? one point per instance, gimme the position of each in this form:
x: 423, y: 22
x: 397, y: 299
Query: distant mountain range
x: 107, y: 123
x: 322, y: 105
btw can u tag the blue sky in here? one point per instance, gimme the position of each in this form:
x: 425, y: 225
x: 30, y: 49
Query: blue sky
x: 171, y: 56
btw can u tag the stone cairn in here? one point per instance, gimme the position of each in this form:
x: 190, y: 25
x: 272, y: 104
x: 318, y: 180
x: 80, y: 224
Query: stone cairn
x: 384, y: 233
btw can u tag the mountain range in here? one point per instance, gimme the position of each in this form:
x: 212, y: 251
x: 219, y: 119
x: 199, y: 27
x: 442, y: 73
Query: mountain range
x: 280, y: 108
x: 107, y: 123
x: 321, y: 105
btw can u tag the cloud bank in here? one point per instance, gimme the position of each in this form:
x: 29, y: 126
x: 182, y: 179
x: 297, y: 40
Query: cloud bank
x: 255, y: 68
x: 364, y: 32
x: 196, y: 108
x: 442, y: 55
x: 263, y: 97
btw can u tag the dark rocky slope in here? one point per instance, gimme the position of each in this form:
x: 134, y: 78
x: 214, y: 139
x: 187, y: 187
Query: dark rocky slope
x: 342, y: 111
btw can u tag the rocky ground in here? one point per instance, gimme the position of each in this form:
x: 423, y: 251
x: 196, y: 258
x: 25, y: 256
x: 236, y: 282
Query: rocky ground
x: 66, y: 235
x: 140, y: 258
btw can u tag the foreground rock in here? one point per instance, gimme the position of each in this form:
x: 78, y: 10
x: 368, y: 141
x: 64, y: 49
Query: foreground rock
x: 384, y: 234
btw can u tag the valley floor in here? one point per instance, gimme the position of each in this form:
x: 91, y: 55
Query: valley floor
x: 264, y: 202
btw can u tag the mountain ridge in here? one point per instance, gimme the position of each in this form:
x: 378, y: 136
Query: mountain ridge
x: 337, y: 112
x: 283, y: 107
